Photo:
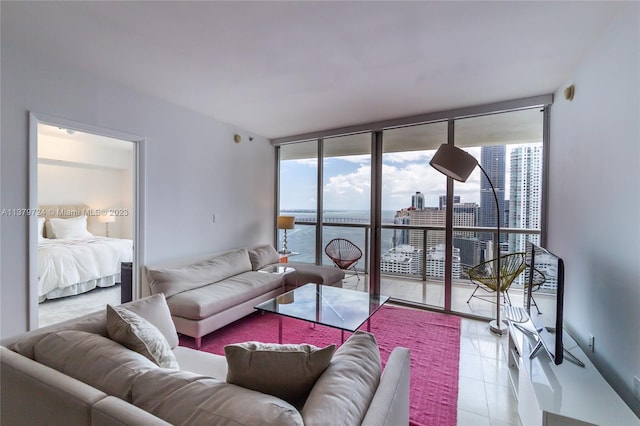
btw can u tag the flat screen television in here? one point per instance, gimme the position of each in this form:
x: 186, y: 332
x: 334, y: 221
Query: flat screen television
x: 546, y: 313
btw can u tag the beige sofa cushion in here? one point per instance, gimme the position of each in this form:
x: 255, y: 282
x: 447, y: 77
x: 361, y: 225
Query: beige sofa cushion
x: 94, y: 360
x: 212, y: 299
x: 341, y: 396
x: 91, y: 323
x: 262, y: 256
x: 181, y: 397
x: 172, y: 281
x: 138, y: 334
x: 286, y: 371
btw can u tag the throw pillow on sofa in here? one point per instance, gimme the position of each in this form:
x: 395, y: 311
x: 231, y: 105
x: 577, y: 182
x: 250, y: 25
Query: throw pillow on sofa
x: 138, y: 334
x: 262, y: 256
x: 285, y: 371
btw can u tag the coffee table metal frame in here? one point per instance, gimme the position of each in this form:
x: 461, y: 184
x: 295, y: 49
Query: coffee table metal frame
x: 336, y: 307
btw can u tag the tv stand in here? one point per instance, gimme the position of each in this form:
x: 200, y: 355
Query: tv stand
x: 564, y: 394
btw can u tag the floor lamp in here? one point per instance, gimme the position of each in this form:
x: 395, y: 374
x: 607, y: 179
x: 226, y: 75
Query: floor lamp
x: 458, y: 164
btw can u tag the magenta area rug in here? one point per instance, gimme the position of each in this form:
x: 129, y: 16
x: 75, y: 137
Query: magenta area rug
x: 433, y: 338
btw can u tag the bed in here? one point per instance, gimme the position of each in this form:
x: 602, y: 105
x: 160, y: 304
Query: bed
x: 71, y: 260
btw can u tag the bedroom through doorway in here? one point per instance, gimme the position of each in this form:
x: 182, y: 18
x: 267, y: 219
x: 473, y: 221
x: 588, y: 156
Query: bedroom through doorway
x: 86, y: 222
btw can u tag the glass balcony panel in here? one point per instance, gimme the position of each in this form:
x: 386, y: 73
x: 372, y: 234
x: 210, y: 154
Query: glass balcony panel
x: 298, y: 188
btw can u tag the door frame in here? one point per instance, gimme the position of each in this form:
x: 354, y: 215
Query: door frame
x: 36, y: 118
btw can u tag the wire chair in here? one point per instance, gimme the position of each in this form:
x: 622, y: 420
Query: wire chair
x: 344, y: 254
x: 484, y: 277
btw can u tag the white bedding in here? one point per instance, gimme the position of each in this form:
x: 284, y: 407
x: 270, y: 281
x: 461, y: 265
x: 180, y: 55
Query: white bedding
x: 73, y: 266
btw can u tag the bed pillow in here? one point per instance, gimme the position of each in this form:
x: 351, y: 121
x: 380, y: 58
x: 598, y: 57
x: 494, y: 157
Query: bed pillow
x: 263, y: 256
x: 136, y: 333
x: 75, y: 227
x: 285, y: 371
x: 41, y: 228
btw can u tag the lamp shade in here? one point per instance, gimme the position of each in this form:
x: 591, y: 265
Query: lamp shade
x: 286, y: 222
x: 453, y: 162
x: 107, y: 219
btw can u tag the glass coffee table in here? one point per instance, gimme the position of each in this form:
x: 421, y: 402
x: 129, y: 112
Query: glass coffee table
x: 334, y: 307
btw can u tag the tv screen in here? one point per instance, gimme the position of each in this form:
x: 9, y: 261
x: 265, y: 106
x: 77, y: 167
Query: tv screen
x: 544, y: 283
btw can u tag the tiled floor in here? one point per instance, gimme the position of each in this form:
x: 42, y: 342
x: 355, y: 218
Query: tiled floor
x: 484, y: 394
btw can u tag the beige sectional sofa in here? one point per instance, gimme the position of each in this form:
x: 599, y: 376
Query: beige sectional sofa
x: 207, y: 292
x: 74, y: 374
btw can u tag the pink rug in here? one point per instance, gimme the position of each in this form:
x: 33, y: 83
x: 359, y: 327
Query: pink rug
x: 434, y: 340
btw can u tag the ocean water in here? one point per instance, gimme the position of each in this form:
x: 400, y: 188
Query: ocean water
x: 302, y: 239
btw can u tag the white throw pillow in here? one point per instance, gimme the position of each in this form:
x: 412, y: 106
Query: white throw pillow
x: 41, y: 228
x: 285, y: 371
x: 138, y: 334
x: 75, y: 227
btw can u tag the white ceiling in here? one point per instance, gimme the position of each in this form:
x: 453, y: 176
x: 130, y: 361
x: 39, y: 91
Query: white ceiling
x: 285, y: 68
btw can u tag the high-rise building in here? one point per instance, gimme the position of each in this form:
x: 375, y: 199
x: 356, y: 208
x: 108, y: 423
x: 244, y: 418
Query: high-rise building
x: 430, y: 216
x: 401, y: 236
x: 525, y: 194
x: 464, y: 214
x: 402, y: 259
x: 417, y: 200
x: 436, y: 262
x: 492, y: 160
x: 443, y: 201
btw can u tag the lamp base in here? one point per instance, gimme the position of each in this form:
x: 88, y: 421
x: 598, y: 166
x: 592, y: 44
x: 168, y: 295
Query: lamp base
x: 500, y: 328
x: 285, y: 251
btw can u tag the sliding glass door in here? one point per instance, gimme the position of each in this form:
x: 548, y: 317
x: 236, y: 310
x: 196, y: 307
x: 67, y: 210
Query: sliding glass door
x: 413, y: 222
x: 508, y: 146
x: 346, y: 197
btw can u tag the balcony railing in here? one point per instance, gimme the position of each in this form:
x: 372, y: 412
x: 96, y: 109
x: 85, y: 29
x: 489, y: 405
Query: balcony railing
x: 362, y: 239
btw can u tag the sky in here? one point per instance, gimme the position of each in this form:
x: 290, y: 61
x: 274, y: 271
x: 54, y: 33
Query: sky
x: 347, y: 182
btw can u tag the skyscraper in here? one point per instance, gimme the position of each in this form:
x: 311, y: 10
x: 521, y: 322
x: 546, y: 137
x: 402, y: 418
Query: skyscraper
x: 443, y: 201
x: 417, y: 201
x: 492, y: 159
x: 525, y: 193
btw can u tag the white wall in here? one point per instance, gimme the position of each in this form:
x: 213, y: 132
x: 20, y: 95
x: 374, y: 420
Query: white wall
x: 594, y: 206
x: 98, y: 188
x: 193, y: 168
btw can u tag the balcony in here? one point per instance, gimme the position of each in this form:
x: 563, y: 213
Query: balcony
x: 423, y: 284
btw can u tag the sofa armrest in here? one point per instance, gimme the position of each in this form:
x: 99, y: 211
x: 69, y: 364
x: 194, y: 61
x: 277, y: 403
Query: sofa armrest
x: 390, y: 404
x: 113, y: 411
x: 34, y: 394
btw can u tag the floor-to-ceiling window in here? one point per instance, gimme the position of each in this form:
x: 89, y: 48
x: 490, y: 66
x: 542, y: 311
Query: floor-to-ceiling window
x: 346, y: 192
x: 415, y: 264
x: 412, y: 262
x: 298, y: 193
x: 508, y: 146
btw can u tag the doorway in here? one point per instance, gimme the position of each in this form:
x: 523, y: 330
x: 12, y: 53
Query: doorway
x: 86, y: 198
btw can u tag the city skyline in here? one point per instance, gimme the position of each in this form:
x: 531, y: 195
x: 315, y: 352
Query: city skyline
x: 347, y: 183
